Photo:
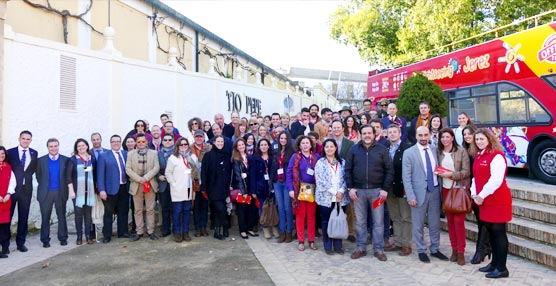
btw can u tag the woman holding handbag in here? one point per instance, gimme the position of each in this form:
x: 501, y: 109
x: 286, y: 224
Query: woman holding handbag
x: 181, y: 171
x: 330, y: 191
x: 491, y: 193
x: 300, y: 179
x: 246, y: 210
x: 278, y: 177
x: 259, y: 179
x: 454, y: 159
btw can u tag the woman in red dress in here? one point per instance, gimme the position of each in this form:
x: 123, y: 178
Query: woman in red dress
x: 7, y: 189
x: 490, y: 192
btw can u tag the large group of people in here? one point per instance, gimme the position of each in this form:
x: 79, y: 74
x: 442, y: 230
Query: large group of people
x: 380, y: 169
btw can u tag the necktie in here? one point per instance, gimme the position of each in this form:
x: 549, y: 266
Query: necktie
x: 97, y: 152
x: 430, y: 178
x: 23, y: 159
x: 122, y: 167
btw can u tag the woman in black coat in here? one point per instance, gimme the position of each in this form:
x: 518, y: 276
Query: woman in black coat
x: 216, y: 173
x: 259, y: 176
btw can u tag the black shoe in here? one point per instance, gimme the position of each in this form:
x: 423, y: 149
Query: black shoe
x: 63, y: 242
x: 166, y: 233
x: 498, y: 274
x: 106, y: 240
x: 339, y: 250
x: 5, y: 250
x: 135, y: 237
x: 252, y: 233
x: 488, y: 268
x: 440, y: 256
x: 125, y: 235
x: 329, y: 252
x: 2, y: 255
x: 424, y: 258
x: 46, y: 245
x: 244, y: 236
x: 153, y: 236
x: 226, y: 232
x: 22, y: 248
x: 351, y: 238
x: 217, y: 233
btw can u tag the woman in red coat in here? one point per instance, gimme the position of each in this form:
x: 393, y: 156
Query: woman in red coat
x: 491, y: 193
x: 7, y: 189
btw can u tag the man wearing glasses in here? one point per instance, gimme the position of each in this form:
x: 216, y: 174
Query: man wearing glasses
x: 142, y: 166
x: 112, y: 186
x: 164, y: 194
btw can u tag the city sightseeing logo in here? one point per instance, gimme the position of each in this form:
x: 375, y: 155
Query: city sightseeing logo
x: 548, y: 51
x: 512, y: 57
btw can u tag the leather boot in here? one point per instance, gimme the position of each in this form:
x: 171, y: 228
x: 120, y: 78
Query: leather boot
x: 461, y: 259
x: 275, y: 232
x: 288, y: 237
x: 454, y: 256
x: 178, y: 237
x: 266, y: 232
x: 282, y: 237
x: 186, y: 236
x: 218, y: 233
x: 225, y: 231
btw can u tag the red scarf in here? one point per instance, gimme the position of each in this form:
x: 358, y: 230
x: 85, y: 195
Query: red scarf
x: 297, y: 175
x: 5, y: 175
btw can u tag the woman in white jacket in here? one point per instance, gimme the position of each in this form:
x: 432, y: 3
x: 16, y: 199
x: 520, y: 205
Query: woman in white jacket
x: 180, y: 173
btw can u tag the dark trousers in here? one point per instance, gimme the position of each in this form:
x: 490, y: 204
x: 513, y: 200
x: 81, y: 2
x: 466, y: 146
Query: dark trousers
x: 483, y: 238
x: 220, y: 215
x: 83, y: 215
x: 53, y: 199
x: 499, y: 244
x: 246, y: 216
x: 22, y: 199
x: 5, y: 235
x: 325, y: 213
x: 166, y: 208
x: 182, y: 216
x: 200, y: 211
x: 121, y: 202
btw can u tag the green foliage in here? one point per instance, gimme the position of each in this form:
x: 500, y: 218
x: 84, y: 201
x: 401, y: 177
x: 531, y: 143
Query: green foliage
x: 419, y: 88
x: 391, y: 33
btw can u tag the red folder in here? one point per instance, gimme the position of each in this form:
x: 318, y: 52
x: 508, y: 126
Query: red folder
x: 377, y: 203
x: 441, y: 170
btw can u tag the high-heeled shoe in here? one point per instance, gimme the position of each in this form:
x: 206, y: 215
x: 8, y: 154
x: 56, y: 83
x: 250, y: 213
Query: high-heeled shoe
x: 479, y: 257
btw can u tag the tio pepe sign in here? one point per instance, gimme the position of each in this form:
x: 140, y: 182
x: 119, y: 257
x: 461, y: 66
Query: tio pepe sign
x: 235, y: 103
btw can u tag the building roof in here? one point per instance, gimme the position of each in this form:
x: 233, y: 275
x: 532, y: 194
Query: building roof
x: 327, y: 75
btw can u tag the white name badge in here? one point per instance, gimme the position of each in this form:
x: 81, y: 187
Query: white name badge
x: 275, y: 147
x: 243, y: 175
x: 266, y: 177
x: 280, y: 171
x: 310, y: 172
x: 188, y: 171
x: 87, y: 169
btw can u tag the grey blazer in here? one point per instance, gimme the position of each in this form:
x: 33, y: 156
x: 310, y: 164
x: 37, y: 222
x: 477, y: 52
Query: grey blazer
x: 413, y: 174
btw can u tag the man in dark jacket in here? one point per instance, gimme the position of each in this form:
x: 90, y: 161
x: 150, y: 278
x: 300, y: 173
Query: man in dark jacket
x: 400, y: 211
x: 303, y: 127
x: 369, y: 173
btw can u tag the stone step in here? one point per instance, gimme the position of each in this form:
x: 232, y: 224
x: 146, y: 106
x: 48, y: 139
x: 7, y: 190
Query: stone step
x: 532, y: 191
x: 533, y: 250
x: 534, y: 210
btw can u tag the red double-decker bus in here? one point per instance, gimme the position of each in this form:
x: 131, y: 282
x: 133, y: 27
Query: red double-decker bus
x: 507, y: 84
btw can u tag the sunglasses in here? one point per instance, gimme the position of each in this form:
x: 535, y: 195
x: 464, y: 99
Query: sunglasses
x: 168, y: 140
x: 141, y: 141
x: 140, y: 125
x: 384, y: 105
x: 251, y: 124
x: 184, y: 144
x: 195, y: 123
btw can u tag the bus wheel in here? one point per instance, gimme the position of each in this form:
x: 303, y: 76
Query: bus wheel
x: 543, y: 162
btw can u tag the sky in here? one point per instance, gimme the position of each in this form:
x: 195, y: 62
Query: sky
x: 280, y: 34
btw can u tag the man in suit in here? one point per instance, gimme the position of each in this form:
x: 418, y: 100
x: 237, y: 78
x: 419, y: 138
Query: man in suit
x: 113, y: 190
x: 344, y: 145
x: 52, y: 170
x: 422, y: 119
x: 23, y: 161
x: 97, y: 149
x: 302, y: 127
x: 400, y: 211
x: 142, y: 166
x: 156, y: 142
x: 393, y: 118
x: 380, y: 137
x: 423, y: 193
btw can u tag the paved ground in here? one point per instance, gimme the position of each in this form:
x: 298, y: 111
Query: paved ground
x: 255, y: 261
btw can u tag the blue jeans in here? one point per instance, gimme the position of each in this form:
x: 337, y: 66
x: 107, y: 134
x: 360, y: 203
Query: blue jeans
x: 181, y: 216
x: 366, y: 198
x: 284, y: 203
x: 387, y: 221
x: 325, y: 213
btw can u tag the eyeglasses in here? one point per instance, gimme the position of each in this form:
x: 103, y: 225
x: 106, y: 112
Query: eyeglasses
x: 384, y: 105
x: 141, y: 141
x: 184, y: 144
x: 116, y: 141
x: 140, y: 125
x: 251, y: 124
x: 168, y: 140
x: 195, y: 123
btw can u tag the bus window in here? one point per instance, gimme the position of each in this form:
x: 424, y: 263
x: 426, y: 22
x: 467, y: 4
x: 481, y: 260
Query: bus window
x: 485, y: 110
x: 459, y: 105
x: 512, y: 104
x: 551, y: 79
x: 537, y: 114
x: 484, y: 90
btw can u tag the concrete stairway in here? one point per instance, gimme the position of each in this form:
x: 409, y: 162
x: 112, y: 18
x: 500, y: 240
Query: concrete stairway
x: 532, y: 231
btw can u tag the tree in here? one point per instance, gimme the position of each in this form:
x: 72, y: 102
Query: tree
x: 391, y: 33
x: 418, y: 88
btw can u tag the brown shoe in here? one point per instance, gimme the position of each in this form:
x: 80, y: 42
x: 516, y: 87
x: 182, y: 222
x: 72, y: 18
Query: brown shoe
x: 392, y: 247
x: 358, y: 254
x: 405, y: 251
x: 198, y: 233
x: 282, y: 237
x: 90, y: 241
x: 454, y: 256
x: 178, y: 237
x: 461, y: 259
x: 79, y: 242
x: 288, y: 237
x: 186, y: 236
x: 381, y: 256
